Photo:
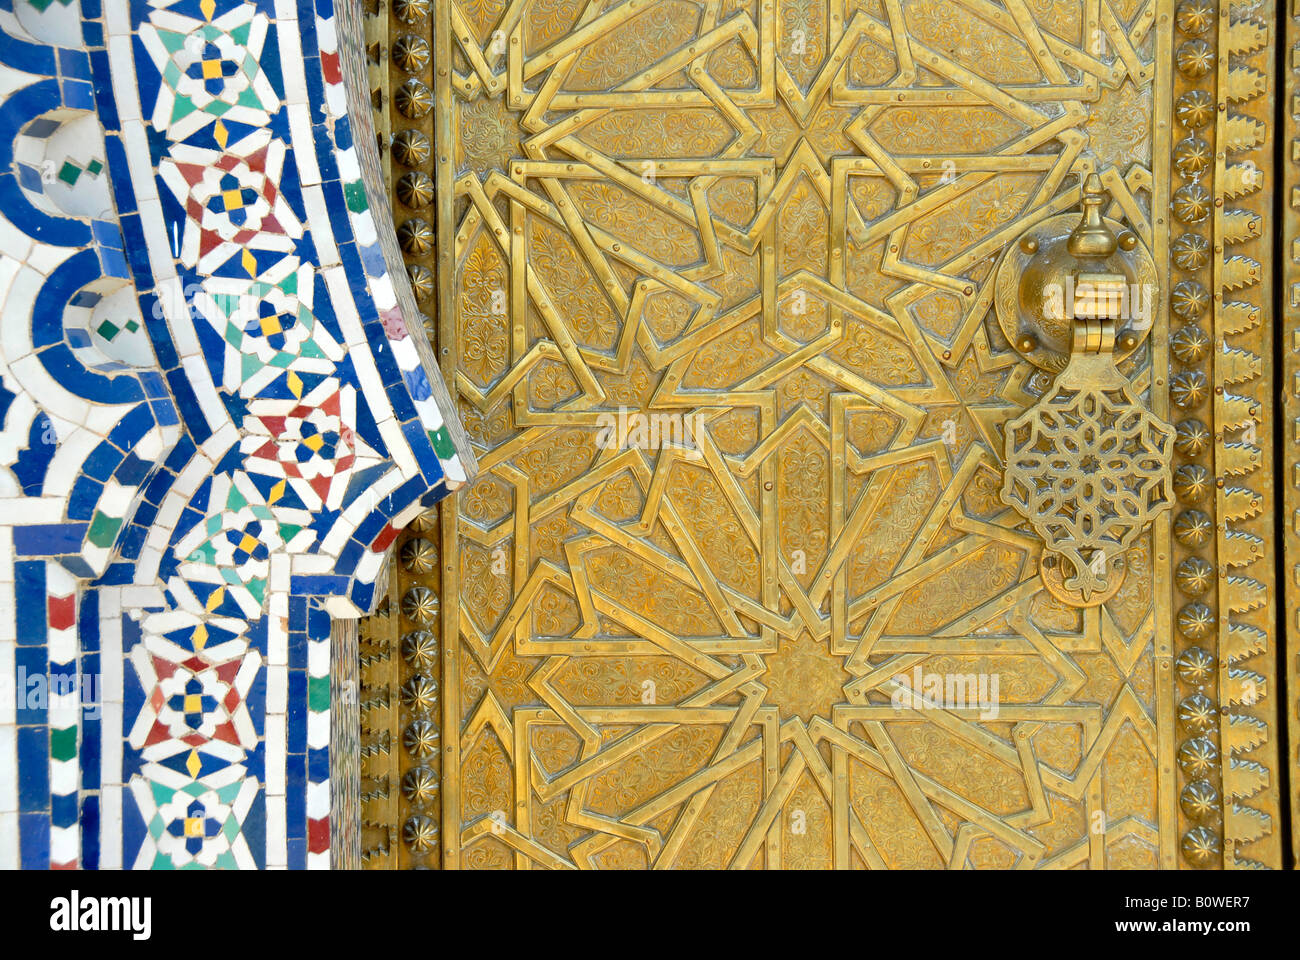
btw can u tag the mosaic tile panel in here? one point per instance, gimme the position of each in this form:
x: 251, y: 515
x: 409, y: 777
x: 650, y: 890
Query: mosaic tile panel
x: 217, y: 408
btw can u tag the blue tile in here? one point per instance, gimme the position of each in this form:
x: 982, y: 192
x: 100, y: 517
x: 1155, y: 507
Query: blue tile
x: 297, y: 711
x: 30, y: 178
x: 31, y: 685
x: 318, y: 765
x: 33, y: 769
x: 74, y: 63
x: 92, y: 33
x: 107, y: 233
x: 29, y: 595
x: 63, y: 809
x: 48, y: 540
x: 85, y: 494
x: 78, y: 95
x: 295, y: 790
x: 90, y: 830
x: 34, y: 841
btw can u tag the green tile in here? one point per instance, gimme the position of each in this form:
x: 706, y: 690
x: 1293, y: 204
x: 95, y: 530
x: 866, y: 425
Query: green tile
x: 442, y: 444
x: 355, y: 192
x: 318, y: 694
x: 103, y: 529
x: 63, y: 744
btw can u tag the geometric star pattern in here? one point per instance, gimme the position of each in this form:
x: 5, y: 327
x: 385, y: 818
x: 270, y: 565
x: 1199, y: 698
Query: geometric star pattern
x: 775, y: 230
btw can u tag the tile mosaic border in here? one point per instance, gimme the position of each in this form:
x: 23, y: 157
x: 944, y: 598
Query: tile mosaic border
x: 215, y: 421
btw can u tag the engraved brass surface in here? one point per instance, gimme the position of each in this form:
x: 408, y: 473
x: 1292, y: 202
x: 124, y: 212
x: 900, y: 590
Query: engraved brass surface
x: 717, y: 287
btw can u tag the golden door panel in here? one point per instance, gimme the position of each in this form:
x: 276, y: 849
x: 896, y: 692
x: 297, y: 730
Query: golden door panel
x: 742, y: 581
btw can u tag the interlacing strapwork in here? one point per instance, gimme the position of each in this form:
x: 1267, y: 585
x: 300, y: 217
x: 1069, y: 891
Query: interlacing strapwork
x: 715, y: 288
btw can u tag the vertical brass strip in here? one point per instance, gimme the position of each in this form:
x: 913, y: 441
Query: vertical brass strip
x: 1289, y: 429
x: 1193, y: 179
x: 416, y: 582
x: 372, y: 647
x: 401, y: 669
x: 345, y: 748
x: 378, y: 681
x: 446, y: 338
x: 1164, y: 646
x: 1242, y: 383
x: 375, y: 19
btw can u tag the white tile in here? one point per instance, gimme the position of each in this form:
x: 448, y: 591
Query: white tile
x: 63, y: 647
x: 275, y: 754
x: 277, y: 689
x: 110, y: 669
x: 16, y: 332
x: 117, y: 22
x: 398, y: 447
x: 318, y: 800
x: 304, y: 156
x: 277, y: 844
x: 122, y: 65
x: 15, y: 244
x: 291, y: 63
x: 8, y: 762
x: 321, y: 230
x: 277, y: 643
x: 369, y: 565
x: 8, y: 841
x: 318, y: 729
x: 65, y: 844
x: 110, y: 828
x: 306, y: 564
x: 318, y: 658
x: 44, y: 257
x: 8, y: 695
x: 63, y: 776
x: 110, y: 749
x: 32, y: 510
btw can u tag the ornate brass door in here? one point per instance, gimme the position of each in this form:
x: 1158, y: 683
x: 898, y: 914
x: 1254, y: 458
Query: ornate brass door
x: 717, y: 285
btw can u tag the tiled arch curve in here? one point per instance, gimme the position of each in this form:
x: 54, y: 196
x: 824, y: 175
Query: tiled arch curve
x: 182, y: 535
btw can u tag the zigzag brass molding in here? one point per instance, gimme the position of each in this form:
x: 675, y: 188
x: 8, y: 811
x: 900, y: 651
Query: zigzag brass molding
x: 779, y: 223
x: 1243, y: 499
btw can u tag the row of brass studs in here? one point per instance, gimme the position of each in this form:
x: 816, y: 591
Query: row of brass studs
x: 417, y: 574
x: 418, y: 583
x: 412, y: 143
x: 1189, y: 390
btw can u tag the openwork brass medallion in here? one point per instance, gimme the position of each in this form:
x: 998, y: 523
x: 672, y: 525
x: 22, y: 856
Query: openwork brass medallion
x: 1089, y: 468
x: 719, y: 287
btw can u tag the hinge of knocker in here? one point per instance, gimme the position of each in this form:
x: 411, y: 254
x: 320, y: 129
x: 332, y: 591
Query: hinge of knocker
x: 1088, y: 465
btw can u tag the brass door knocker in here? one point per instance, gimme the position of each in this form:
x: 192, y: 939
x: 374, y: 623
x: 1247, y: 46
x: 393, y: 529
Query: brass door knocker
x: 1088, y: 465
